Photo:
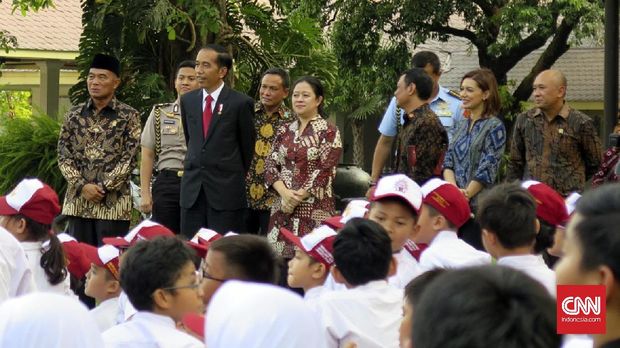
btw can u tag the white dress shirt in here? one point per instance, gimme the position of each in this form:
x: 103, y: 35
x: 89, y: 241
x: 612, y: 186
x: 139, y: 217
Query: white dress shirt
x: 448, y: 251
x: 34, y: 251
x: 368, y: 315
x: 148, y: 329
x: 214, y: 95
x: 534, y: 266
x: 407, y: 268
x: 15, y: 274
x: 105, y: 313
x: 125, y: 309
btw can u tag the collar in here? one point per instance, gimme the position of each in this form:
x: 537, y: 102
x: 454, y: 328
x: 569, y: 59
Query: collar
x: 113, y: 104
x: 445, y: 235
x: 215, y: 95
x: 441, y: 94
x: 28, y: 246
x: 564, y: 112
x: 313, y: 293
x: 420, y: 109
x: 281, y: 111
x: 373, y: 285
x: 520, y: 260
x: 154, y: 318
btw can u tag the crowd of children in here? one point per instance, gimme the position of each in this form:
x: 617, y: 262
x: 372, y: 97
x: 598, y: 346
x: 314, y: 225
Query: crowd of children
x: 390, y: 272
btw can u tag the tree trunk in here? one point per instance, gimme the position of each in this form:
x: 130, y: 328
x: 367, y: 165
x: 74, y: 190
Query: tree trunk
x: 357, y: 129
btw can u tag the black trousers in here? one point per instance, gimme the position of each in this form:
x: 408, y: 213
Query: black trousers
x: 201, y: 214
x: 92, y: 231
x: 166, y: 195
x: 256, y: 221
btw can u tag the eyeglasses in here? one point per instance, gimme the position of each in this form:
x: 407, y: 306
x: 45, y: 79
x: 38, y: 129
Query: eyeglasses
x: 194, y: 286
x: 206, y: 275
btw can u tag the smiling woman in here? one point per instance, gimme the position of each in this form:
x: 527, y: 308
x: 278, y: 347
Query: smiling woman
x: 301, y: 167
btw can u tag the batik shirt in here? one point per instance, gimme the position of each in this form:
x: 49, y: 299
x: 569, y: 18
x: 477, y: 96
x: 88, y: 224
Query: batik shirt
x: 421, y: 144
x: 562, y: 152
x: 260, y: 197
x: 99, y: 148
x: 303, y: 161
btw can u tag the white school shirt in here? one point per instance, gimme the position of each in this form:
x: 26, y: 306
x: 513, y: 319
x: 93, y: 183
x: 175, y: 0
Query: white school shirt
x: 105, y: 313
x: 125, y: 309
x: 148, y: 329
x: 368, y: 315
x: 407, y: 268
x: 312, y: 296
x: 448, y: 251
x: 34, y: 251
x: 15, y: 274
x: 534, y: 266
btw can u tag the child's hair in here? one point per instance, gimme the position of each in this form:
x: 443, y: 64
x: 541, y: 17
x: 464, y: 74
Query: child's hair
x: 53, y: 257
x: 248, y: 257
x: 544, y: 237
x: 415, y: 288
x: 398, y: 200
x: 509, y: 211
x: 433, y: 213
x: 150, y: 265
x: 597, y: 232
x: 362, y: 252
x: 490, y: 306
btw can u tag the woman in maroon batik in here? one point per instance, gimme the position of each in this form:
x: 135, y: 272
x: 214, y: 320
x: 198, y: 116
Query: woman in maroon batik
x: 302, y: 166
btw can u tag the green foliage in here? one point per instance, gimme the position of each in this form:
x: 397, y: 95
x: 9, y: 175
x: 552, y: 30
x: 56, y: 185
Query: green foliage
x: 15, y: 103
x: 28, y: 149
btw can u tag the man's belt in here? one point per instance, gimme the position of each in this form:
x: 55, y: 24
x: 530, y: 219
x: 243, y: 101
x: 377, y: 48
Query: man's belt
x: 171, y: 172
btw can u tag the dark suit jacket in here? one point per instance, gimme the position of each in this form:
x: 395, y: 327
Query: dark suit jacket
x: 219, y: 163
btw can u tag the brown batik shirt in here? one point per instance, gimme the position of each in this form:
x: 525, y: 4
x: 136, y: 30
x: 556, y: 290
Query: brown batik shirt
x: 562, y: 153
x: 260, y: 197
x: 422, y: 143
x: 99, y: 148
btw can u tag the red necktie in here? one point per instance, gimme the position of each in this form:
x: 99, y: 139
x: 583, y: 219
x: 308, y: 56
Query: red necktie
x: 206, y: 116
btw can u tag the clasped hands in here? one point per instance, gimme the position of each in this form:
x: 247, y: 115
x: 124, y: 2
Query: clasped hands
x: 290, y: 199
x: 93, y: 193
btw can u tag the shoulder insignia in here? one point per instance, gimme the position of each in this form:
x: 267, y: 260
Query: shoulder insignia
x: 454, y: 94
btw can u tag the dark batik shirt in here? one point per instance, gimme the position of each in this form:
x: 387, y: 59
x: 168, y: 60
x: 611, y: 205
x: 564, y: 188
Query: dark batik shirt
x: 260, y: 197
x: 424, y: 136
x: 562, y: 152
x: 99, y: 148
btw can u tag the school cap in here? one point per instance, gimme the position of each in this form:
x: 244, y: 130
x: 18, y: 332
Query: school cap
x: 77, y: 262
x: 195, y: 323
x: 550, y: 205
x: 146, y: 230
x: 319, y: 243
x: 202, y: 239
x: 448, y: 200
x: 399, y: 186
x: 571, y: 202
x: 105, y: 256
x: 104, y: 61
x: 355, y: 208
x: 32, y: 199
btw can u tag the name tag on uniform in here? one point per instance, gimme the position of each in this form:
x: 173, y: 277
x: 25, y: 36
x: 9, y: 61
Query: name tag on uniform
x: 170, y: 122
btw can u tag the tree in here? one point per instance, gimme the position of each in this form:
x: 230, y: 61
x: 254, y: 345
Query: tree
x: 152, y: 36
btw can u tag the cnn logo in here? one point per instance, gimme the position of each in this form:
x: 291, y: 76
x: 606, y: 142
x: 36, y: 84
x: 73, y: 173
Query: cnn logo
x: 581, y: 309
x: 574, y: 305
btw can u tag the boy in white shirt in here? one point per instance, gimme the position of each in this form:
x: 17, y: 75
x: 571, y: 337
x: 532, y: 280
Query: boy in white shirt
x: 507, y: 216
x: 396, y: 202
x: 15, y: 274
x: 369, y: 312
x: 444, y: 210
x: 162, y: 283
x: 313, y: 259
x: 103, y: 283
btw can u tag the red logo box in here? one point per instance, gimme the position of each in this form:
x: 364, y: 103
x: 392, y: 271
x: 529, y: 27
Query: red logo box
x: 581, y: 309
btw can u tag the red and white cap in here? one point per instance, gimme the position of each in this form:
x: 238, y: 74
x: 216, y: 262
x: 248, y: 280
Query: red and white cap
x: 356, y: 208
x: 400, y: 186
x: 77, y: 262
x: 571, y: 202
x: 319, y: 243
x: 202, y: 239
x: 32, y: 199
x: 106, y: 256
x: 448, y: 200
x: 550, y: 205
x: 146, y: 230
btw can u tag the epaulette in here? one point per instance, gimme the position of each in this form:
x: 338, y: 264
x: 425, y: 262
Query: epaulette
x: 161, y: 105
x: 455, y: 94
x: 414, y: 249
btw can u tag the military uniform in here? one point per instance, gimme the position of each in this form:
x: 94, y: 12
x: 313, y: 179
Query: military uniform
x: 163, y: 133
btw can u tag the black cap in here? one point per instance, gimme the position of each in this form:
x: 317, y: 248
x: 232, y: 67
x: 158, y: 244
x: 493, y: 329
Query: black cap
x: 103, y: 61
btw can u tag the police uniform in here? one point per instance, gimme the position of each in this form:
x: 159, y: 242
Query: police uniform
x: 446, y: 104
x: 170, y: 148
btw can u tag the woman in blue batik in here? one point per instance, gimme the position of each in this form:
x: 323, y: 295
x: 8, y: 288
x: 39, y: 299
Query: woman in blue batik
x: 476, y: 149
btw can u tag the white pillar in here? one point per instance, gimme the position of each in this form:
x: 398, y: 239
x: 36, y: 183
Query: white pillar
x: 49, y: 86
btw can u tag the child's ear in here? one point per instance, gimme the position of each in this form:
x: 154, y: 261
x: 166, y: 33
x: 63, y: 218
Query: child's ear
x: 537, y: 225
x: 439, y: 222
x: 338, y: 277
x: 113, y: 287
x: 393, y: 267
x: 161, y: 299
x: 319, y: 271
